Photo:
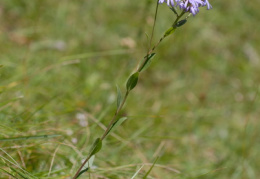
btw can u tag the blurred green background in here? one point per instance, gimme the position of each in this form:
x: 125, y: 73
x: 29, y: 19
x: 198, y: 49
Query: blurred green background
x: 197, y: 106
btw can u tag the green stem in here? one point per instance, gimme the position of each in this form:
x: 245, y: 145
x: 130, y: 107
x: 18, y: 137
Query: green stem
x: 114, y: 117
x: 105, y: 133
x: 125, y: 97
x: 83, y: 164
x: 162, y: 38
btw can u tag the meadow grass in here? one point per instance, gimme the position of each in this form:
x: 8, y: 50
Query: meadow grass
x: 197, y: 106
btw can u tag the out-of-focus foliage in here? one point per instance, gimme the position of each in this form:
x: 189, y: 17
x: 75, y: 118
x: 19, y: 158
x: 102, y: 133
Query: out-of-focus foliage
x: 197, y: 106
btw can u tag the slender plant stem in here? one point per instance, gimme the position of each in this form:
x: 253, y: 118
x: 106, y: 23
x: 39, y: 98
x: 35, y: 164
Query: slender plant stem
x: 83, y: 164
x: 162, y: 38
x: 150, y: 43
x: 154, y: 22
x: 127, y: 92
x: 105, y: 133
x: 114, y: 117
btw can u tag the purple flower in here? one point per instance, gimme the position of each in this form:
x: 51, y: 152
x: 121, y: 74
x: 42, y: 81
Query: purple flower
x: 169, y: 2
x: 208, y: 4
x: 191, y: 6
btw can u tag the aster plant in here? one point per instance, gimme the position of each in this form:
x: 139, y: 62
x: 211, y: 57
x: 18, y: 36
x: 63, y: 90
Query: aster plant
x: 187, y: 7
x: 191, y: 6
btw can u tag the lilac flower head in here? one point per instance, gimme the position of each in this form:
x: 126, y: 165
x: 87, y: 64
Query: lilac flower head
x: 191, y: 6
x: 169, y: 2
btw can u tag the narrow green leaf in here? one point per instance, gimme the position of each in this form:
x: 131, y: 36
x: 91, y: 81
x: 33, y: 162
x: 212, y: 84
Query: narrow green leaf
x: 8, y: 173
x: 31, y: 137
x: 146, y: 175
x: 96, y: 147
x: 117, y: 123
x: 20, y: 173
x: 145, y: 63
x: 136, y: 173
x: 132, y: 81
x: 14, y: 163
x: 180, y: 23
x: 169, y: 31
x: 82, y: 171
x: 119, y: 96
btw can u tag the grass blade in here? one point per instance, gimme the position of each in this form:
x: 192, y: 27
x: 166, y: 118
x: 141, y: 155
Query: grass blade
x: 136, y: 173
x: 30, y: 137
x: 146, y: 175
x: 8, y: 173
